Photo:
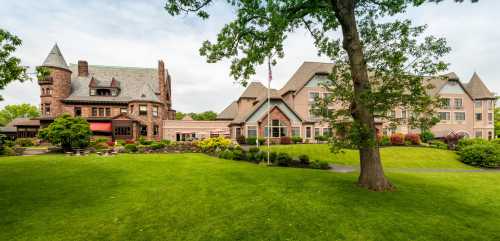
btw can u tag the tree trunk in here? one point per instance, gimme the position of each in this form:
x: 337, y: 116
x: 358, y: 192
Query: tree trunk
x: 372, y: 174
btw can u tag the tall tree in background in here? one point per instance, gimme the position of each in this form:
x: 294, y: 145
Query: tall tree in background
x: 391, y: 51
x: 10, y: 66
x: 10, y: 112
x: 496, y: 116
x: 203, y: 116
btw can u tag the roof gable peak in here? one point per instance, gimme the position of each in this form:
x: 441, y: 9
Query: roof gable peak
x: 55, y: 59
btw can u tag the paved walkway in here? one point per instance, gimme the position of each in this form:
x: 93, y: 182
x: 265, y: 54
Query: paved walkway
x: 347, y: 169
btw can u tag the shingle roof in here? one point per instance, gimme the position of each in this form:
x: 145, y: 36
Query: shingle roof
x: 439, y: 81
x: 229, y: 112
x: 21, y: 121
x: 477, y: 89
x: 253, y: 90
x: 55, y: 59
x: 135, y: 83
x: 304, y: 73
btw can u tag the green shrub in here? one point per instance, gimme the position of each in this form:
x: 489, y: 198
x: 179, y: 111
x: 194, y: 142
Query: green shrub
x: 316, y: 164
x: 241, y: 140
x: 272, y: 156
x: 427, y: 136
x: 385, y: 141
x: 438, y: 144
x: 8, y: 151
x: 239, y: 155
x: 226, y: 154
x: 166, y: 142
x: 9, y: 143
x: 321, y: 138
x: 413, y: 138
x: 25, y: 142
x: 253, y: 150
x: 482, y: 155
x: 120, y: 143
x: 131, y: 147
x: 157, y: 145
x: 261, y: 140
x: 282, y: 159
x: 285, y: 140
x: 251, y: 140
x: 101, y: 140
x: 304, y: 159
x: 213, y: 144
x: 144, y: 142
x: 296, y: 139
x: 464, y: 142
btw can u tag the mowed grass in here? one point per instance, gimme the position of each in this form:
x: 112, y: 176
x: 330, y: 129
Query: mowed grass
x: 392, y: 157
x: 196, y: 197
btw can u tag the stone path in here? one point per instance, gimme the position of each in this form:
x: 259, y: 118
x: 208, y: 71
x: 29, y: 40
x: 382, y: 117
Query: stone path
x: 31, y: 152
x: 346, y: 169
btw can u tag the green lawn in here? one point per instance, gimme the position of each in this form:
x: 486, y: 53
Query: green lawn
x: 196, y: 197
x: 392, y: 157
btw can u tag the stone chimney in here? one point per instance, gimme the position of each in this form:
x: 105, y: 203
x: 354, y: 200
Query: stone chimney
x: 83, y: 68
x: 161, y: 81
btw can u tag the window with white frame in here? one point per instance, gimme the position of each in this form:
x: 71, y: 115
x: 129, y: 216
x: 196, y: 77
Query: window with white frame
x: 458, y: 103
x: 251, y: 131
x: 446, y: 103
x: 459, y: 116
x: 444, y: 116
x: 479, y: 116
x: 403, y: 113
x: 479, y: 134
x: 155, y: 111
x: 327, y: 131
x: 308, y: 132
x: 296, y: 131
x: 317, y: 132
x: 313, y: 96
x: 143, y: 110
x: 490, y: 117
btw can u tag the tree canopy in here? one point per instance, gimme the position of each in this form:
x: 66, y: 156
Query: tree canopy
x: 67, y: 131
x: 203, y: 116
x: 10, y: 66
x: 10, y: 112
x: 380, y: 59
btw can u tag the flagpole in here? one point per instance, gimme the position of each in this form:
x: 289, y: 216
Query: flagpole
x: 269, y: 109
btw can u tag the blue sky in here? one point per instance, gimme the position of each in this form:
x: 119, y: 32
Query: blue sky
x: 138, y: 33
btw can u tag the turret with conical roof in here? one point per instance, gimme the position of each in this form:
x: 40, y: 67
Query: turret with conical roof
x: 55, y: 87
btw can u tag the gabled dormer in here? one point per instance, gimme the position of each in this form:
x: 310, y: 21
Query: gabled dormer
x: 100, y: 88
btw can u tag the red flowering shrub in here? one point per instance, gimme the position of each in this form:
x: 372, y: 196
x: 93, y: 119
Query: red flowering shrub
x: 397, y: 139
x: 110, y: 143
x: 413, y: 138
x: 285, y: 140
x: 129, y: 142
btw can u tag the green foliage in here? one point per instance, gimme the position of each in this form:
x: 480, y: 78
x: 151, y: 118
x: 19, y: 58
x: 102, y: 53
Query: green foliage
x: 497, y: 121
x: 317, y: 164
x: 251, y: 140
x: 203, y: 116
x: 120, y: 142
x: 385, y: 141
x: 10, y: 66
x: 131, y: 148
x: 282, y: 159
x: 239, y: 155
x: 145, y: 142
x: 227, y: 154
x: 427, y: 136
x: 25, y: 142
x: 241, y: 140
x: 11, y: 112
x: 68, y: 132
x: 157, y: 145
x: 296, y: 139
x: 482, y: 155
x: 8, y: 151
x: 464, y: 142
x: 304, y: 159
x: 101, y: 140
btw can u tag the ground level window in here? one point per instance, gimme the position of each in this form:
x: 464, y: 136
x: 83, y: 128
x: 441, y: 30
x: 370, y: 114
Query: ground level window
x: 490, y: 135
x: 308, y: 132
x: 251, y: 131
x: 144, y: 131
x: 479, y: 134
x: 317, y: 132
x: 156, y: 130
x: 238, y: 132
x: 296, y: 131
x: 122, y: 131
x: 94, y: 111
x: 78, y: 111
x: 278, y: 129
x: 327, y: 131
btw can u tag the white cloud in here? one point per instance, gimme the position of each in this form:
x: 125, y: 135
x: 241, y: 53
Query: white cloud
x: 138, y: 33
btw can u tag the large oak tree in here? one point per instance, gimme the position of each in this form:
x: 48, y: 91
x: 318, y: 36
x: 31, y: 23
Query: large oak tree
x: 380, y: 60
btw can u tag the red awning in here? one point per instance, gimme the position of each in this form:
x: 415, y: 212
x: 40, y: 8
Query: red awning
x: 100, y: 126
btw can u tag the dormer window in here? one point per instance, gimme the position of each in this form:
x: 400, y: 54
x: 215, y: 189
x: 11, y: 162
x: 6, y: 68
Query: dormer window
x: 103, y: 92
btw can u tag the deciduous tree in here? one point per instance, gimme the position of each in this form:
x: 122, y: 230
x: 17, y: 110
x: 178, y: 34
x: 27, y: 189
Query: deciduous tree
x: 10, y: 112
x: 10, y: 66
x: 67, y: 131
x: 380, y: 60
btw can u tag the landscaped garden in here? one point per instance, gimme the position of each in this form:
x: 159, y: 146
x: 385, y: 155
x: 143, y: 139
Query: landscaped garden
x: 198, y: 197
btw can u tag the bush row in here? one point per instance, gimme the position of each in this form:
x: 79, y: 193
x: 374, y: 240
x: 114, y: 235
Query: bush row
x: 399, y: 139
x: 276, y: 158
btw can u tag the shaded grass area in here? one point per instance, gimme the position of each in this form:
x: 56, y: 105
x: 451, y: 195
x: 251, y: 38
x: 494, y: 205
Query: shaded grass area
x: 392, y: 157
x: 196, y: 197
